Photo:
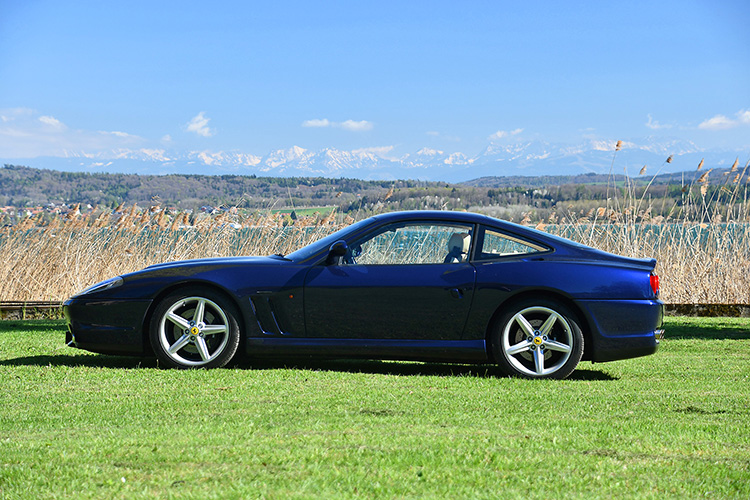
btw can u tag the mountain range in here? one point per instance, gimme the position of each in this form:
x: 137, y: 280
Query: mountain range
x: 528, y: 158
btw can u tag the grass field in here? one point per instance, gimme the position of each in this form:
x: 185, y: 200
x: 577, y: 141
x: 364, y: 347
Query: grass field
x: 671, y: 425
x: 306, y: 211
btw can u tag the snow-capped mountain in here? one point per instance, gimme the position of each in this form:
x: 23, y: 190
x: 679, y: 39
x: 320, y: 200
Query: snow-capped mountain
x: 531, y: 158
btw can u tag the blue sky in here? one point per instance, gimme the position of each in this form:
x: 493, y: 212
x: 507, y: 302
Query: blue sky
x: 249, y: 76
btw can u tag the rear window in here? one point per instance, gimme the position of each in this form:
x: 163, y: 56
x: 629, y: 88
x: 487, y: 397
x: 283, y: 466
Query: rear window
x: 495, y: 244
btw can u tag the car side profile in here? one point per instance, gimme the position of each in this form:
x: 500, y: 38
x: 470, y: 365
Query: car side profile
x: 420, y: 285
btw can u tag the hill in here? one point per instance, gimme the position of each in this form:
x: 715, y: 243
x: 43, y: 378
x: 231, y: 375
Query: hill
x: 507, y: 197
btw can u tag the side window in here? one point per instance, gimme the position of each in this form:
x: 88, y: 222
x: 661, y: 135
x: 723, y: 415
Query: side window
x: 418, y: 243
x: 496, y: 244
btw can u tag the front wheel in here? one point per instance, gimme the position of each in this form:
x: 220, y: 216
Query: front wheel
x: 194, y: 328
x: 538, y: 339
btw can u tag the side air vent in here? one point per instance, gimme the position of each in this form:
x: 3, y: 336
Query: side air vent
x: 265, y: 315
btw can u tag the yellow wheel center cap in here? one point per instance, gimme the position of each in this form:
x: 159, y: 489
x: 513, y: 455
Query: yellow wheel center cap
x: 194, y: 330
x: 538, y: 340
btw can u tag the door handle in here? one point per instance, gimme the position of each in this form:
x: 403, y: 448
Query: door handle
x: 457, y: 293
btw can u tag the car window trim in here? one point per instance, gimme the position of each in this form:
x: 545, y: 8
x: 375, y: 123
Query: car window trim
x: 480, y: 233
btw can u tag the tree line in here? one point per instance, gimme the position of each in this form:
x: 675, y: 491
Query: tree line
x: 508, y: 197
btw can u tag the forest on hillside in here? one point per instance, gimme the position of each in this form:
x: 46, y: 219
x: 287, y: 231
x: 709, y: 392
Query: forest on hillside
x: 512, y: 198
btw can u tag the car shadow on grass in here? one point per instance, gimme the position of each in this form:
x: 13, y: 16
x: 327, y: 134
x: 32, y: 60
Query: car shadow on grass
x: 403, y: 368
x: 87, y: 360
x: 396, y: 368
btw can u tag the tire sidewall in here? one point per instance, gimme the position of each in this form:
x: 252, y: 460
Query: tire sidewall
x: 221, y: 301
x: 499, y: 325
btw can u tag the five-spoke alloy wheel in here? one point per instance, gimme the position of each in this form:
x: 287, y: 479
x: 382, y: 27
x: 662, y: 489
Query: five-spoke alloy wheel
x: 538, y: 339
x: 194, y: 328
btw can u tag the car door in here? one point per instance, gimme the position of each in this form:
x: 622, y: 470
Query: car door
x: 400, y: 282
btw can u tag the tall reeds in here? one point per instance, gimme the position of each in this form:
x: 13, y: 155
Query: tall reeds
x: 51, y: 261
x: 702, y: 245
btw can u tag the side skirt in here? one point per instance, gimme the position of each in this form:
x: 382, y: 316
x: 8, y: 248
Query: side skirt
x: 463, y: 351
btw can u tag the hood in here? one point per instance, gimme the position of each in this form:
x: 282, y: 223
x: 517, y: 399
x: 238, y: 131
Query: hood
x: 219, y: 261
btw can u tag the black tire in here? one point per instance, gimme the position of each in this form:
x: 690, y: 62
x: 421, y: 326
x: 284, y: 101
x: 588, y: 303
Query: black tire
x: 537, y: 338
x: 195, y: 328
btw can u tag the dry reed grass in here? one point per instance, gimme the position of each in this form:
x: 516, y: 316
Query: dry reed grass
x: 702, y: 246
x: 55, y: 260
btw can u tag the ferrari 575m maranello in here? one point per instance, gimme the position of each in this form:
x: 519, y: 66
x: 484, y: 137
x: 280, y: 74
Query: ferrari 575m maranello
x: 428, y: 286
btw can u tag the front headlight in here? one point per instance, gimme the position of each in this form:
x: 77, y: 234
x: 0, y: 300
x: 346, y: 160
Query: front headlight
x: 100, y: 287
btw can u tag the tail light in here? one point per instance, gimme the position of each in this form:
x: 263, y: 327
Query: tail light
x: 655, y: 283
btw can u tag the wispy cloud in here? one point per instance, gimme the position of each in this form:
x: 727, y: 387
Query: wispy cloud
x: 199, y: 125
x: 52, y: 122
x: 722, y: 122
x: 13, y: 114
x: 501, y: 134
x: 316, y: 123
x: 354, y: 126
x: 123, y: 135
x: 381, y: 151
x: 654, y: 125
x: 25, y: 133
x: 718, y: 122
x: 351, y: 125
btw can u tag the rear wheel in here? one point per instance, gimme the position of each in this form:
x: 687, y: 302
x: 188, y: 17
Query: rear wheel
x: 195, y: 328
x: 538, y: 339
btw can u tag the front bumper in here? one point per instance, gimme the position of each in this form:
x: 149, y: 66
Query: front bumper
x: 106, y: 326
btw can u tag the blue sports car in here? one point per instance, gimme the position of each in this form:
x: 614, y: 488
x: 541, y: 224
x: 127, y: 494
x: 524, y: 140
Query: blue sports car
x: 421, y: 285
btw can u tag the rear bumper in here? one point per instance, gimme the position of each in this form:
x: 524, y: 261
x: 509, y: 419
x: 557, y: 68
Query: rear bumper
x: 106, y: 326
x: 622, y: 329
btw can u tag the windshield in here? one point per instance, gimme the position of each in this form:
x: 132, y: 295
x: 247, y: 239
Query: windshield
x: 316, y: 247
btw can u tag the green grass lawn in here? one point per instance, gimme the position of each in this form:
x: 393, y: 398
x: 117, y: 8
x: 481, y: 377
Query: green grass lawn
x: 306, y: 211
x: 79, y: 425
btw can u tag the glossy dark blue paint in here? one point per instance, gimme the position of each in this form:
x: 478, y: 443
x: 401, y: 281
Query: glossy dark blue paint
x: 418, y: 301
x: 109, y: 326
x: 299, y: 305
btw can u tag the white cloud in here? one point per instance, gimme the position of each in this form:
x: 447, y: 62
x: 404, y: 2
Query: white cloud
x: 53, y: 123
x: 316, y: 123
x: 718, y: 122
x: 351, y: 125
x: 500, y: 134
x: 654, y: 125
x: 122, y: 135
x: 381, y: 151
x: 12, y: 114
x: 721, y: 122
x: 199, y: 125
x: 359, y: 126
x: 25, y: 133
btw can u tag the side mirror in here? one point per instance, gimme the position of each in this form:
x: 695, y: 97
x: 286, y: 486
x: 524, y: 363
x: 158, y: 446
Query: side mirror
x: 336, y: 252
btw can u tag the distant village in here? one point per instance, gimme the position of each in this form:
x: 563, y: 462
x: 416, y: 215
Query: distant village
x: 230, y: 216
x: 64, y: 210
